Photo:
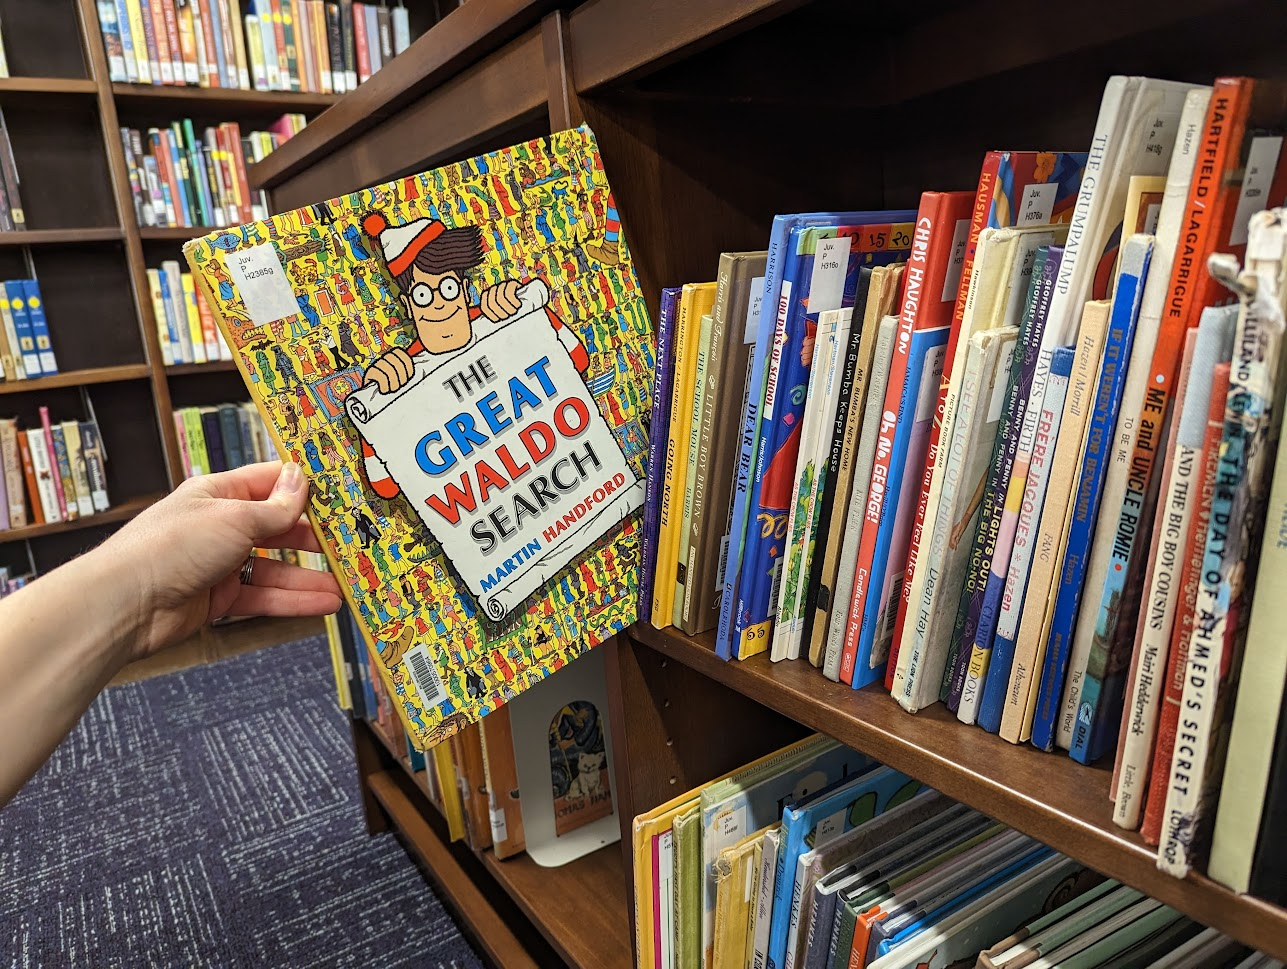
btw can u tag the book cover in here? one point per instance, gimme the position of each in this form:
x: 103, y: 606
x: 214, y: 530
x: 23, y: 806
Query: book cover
x: 990, y: 555
x: 693, y: 430
x: 12, y: 464
x: 515, y: 580
x: 737, y: 872
x: 688, y: 887
x: 1014, y: 189
x: 1117, y: 353
x: 1048, y: 549
x: 897, y: 449
x: 764, y: 901
x: 1212, y: 344
x: 1232, y: 542
x: 855, y: 514
x: 658, y: 438
x: 820, y: 272
x: 17, y: 299
x: 748, y: 440
x: 91, y: 442
x: 726, y: 384
x: 62, y: 467
x: 1027, y: 515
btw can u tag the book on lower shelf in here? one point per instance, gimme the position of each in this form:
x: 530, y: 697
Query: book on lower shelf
x: 222, y: 437
x: 307, y: 46
x: 51, y: 471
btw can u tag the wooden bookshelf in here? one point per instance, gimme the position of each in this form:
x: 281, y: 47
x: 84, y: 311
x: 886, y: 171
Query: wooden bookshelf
x: 172, y: 233
x: 78, y: 378
x: 186, y: 369
x: 55, y: 237
x: 114, y: 515
x: 216, y: 100
x: 702, y: 144
x: 10, y: 86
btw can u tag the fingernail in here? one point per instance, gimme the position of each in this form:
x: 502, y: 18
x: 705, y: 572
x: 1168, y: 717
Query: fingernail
x: 291, y: 478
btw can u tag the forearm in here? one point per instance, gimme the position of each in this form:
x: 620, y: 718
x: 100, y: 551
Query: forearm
x: 62, y: 638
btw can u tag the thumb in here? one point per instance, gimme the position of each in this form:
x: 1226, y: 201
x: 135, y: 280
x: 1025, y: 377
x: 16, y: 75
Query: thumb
x: 283, y: 506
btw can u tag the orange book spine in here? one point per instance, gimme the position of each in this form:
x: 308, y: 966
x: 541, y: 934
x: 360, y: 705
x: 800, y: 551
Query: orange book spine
x: 164, y: 58
x: 1168, y: 720
x: 173, y: 40
x: 213, y: 77
x: 29, y: 472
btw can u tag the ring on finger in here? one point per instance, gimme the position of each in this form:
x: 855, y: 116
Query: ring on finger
x: 247, y: 569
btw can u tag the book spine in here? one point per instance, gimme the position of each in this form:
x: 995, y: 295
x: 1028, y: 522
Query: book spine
x: 663, y: 593
x: 174, y: 48
x: 33, y: 468
x: 1117, y: 351
x: 290, y: 38
x: 91, y: 442
x: 148, y: 33
x: 11, y: 465
x: 142, y: 61
x: 663, y: 381
x: 1029, y: 512
x: 129, y: 40
x: 80, y: 473
x: 9, y: 168
x: 63, y: 468
x: 11, y: 336
x: 188, y: 43
x: 985, y: 576
x: 165, y: 62
x: 235, y: 27
x: 360, y: 42
x: 386, y: 34
x: 304, y: 47
x: 401, y: 29
x: 39, y: 327
x: 53, y: 480
x: 110, y: 28
x: 684, y: 552
x: 335, y: 46
x: 373, y: 37
x: 22, y: 326
x: 349, y: 44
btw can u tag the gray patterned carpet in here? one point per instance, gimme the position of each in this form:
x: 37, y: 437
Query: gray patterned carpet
x: 211, y: 818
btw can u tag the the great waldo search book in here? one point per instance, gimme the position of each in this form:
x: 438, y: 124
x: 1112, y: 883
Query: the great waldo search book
x: 461, y: 362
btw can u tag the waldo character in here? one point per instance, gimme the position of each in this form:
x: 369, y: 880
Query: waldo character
x: 428, y: 261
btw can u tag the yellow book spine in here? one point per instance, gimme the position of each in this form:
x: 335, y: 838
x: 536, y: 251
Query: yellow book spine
x: 239, y: 44
x: 193, y: 318
x: 140, y: 42
x: 672, y: 488
x: 342, y: 696
x: 446, y: 773
x: 645, y: 953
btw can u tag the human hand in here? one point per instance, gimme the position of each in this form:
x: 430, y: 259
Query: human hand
x: 183, y: 555
x: 500, y: 302
x: 391, y: 371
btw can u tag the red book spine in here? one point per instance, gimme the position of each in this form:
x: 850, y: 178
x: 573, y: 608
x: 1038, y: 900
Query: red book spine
x: 213, y: 77
x: 171, y: 16
x: 239, y: 164
x: 48, y: 429
x: 924, y: 308
x: 1168, y: 720
x: 29, y: 472
x: 164, y: 60
x: 359, y: 41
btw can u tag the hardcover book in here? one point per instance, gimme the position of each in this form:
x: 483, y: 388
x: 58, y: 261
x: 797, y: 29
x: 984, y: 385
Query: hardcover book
x: 469, y: 406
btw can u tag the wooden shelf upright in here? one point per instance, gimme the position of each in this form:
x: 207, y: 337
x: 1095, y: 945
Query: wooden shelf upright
x: 707, y: 124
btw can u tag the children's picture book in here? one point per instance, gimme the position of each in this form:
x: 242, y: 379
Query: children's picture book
x: 461, y: 361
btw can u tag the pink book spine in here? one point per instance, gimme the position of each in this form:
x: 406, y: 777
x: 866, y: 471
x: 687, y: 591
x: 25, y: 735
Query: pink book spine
x: 58, y: 480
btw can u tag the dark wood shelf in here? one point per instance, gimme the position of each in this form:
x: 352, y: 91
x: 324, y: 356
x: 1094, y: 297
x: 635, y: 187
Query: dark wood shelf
x: 218, y: 366
x: 48, y: 85
x: 51, y: 237
x: 77, y: 378
x: 180, y: 233
x: 207, y: 100
x: 117, y: 513
x: 1048, y: 796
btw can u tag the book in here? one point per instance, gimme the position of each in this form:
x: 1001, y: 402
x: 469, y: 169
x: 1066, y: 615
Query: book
x: 733, y: 326
x: 1232, y: 542
x: 1028, y: 514
x: 61, y: 464
x: 17, y: 300
x: 56, y: 469
x: 1048, y: 550
x: 688, y: 887
x: 14, y: 365
x: 737, y: 872
x: 12, y: 465
x: 1014, y: 189
x: 493, y: 561
x: 1002, y: 495
x: 91, y: 443
x: 41, y: 485
x: 856, y: 512
x: 659, y: 422
x: 691, y: 484
x: 1052, y: 700
x: 1213, y: 343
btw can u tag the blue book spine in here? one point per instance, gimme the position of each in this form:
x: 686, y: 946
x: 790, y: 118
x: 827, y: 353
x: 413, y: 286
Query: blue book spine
x: 992, y: 706
x: 127, y: 41
x: 221, y: 61
x: 181, y: 354
x: 182, y: 177
x: 1090, y: 487
x: 22, y: 326
x: 993, y: 540
x: 40, y: 327
x: 924, y: 363
x: 750, y: 430
x: 111, y: 30
x: 663, y: 378
x: 149, y: 40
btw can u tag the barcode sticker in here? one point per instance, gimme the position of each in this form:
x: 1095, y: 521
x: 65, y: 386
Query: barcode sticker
x: 500, y: 831
x: 1262, y: 162
x: 424, y: 674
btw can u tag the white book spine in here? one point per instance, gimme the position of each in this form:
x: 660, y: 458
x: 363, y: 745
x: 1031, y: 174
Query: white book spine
x: 764, y: 904
x: 42, y: 465
x: 858, y: 497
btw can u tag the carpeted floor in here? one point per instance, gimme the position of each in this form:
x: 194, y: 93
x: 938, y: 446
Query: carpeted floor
x: 211, y: 818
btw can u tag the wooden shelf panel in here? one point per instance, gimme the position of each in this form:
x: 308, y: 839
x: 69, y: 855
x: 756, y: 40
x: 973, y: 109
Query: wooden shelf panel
x: 48, y: 85
x: 180, y: 233
x: 489, y: 930
x: 1048, y: 796
x: 218, y: 366
x: 117, y: 513
x: 77, y: 378
x: 580, y: 907
x: 206, y: 100
x: 52, y: 237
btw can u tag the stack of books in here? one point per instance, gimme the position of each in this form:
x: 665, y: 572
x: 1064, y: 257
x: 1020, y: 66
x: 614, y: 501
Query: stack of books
x: 278, y: 45
x: 185, y: 327
x: 222, y: 437
x: 25, y: 348
x: 815, y: 857
x: 992, y: 451
x: 55, y: 472
x: 181, y: 180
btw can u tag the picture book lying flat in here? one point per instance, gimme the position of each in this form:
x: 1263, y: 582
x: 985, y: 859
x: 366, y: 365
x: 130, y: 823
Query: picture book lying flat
x: 461, y: 362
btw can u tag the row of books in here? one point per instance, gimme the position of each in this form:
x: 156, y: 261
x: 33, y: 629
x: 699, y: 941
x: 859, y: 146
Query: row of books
x: 25, y: 348
x: 815, y: 857
x: 12, y: 217
x: 11, y: 583
x: 549, y: 742
x: 180, y: 179
x: 278, y: 45
x: 219, y: 438
x: 959, y: 470
x: 52, y: 473
x: 185, y: 327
